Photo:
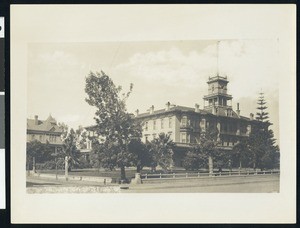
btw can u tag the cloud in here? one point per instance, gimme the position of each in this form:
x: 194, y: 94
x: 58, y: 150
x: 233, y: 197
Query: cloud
x: 169, y: 67
x: 56, y: 59
x: 249, y: 65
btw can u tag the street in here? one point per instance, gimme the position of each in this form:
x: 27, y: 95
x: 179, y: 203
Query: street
x: 251, y: 184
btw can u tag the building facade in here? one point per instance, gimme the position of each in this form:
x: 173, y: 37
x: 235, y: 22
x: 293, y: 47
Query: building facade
x: 44, y: 131
x: 184, y: 124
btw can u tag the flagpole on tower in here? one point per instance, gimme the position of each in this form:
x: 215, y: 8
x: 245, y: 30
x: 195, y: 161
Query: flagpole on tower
x: 218, y: 43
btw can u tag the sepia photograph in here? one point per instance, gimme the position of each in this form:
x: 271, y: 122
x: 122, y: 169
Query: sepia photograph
x: 188, y: 114
x: 168, y: 116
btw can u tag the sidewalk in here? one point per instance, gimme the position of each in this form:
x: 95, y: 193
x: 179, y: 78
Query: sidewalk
x: 247, y: 184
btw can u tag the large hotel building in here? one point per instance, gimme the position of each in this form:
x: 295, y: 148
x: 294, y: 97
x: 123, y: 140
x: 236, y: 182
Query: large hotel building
x: 184, y: 124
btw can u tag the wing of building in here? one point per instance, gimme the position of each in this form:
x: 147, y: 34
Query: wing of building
x: 45, y: 131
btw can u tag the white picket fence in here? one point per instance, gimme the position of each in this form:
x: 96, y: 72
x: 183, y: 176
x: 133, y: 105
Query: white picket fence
x: 199, y: 174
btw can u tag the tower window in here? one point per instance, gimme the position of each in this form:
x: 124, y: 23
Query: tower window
x: 146, y: 126
x: 154, y: 124
x: 183, y: 137
x: 162, y: 123
x: 184, y: 121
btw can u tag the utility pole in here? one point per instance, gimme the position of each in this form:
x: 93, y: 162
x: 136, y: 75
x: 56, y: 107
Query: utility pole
x: 33, y: 164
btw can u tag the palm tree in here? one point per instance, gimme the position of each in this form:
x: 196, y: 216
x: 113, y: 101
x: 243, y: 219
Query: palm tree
x: 70, y: 149
x: 240, y: 153
x: 161, y: 149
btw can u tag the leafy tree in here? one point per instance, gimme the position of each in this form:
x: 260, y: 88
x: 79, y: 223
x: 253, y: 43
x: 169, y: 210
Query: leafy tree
x: 191, y: 161
x: 161, y: 149
x: 114, y: 123
x: 222, y: 159
x: 264, y: 152
x: 70, y: 149
x: 41, y: 152
x: 240, y: 154
x: 209, y: 145
x: 195, y: 159
x: 142, y: 154
x: 65, y: 129
x: 81, y: 137
x: 71, y: 142
x: 206, y: 152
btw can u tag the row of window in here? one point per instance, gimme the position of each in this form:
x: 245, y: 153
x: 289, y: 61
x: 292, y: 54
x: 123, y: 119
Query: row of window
x: 51, y: 138
x: 228, y: 143
x: 186, y: 138
x: 185, y: 122
x: 162, y: 124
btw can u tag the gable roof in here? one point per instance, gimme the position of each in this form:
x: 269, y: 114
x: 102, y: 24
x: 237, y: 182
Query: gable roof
x: 47, y: 125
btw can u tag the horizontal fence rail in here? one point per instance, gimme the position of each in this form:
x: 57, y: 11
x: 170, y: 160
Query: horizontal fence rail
x: 199, y: 174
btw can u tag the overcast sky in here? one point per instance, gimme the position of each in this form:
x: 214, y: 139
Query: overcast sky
x: 175, y: 71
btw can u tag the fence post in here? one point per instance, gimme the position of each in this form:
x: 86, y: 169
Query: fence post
x: 146, y: 176
x: 198, y: 174
x: 173, y: 175
x: 256, y: 172
x: 239, y: 172
x: 220, y: 174
x: 186, y: 175
x: 264, y: 172
x: 160, y: 175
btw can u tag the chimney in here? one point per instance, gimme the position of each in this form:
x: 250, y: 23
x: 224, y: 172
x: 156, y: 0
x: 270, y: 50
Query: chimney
x: 168, y: 106
x: 197, y: 108
x: 152, y: 109
x: 36, y: 120
x: 136, y: 112
x: 238, y: 111
x: 251, y: 116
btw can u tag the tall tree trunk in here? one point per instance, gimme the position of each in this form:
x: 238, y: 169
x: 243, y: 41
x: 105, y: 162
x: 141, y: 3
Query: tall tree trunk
x: 210, y: 165
x: 66, y: 168
x: 123, y: 174
x: 138, y: 168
